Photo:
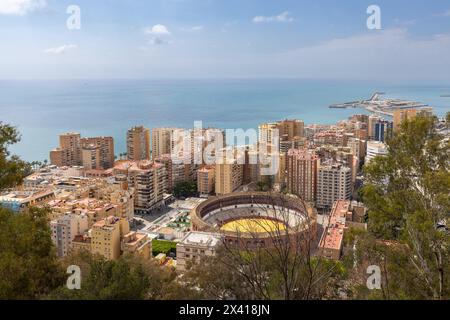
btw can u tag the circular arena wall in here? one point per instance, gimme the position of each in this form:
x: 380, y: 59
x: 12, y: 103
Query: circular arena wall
x: 255, y: 218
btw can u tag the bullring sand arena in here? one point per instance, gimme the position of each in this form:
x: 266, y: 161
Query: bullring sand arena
x: 255, y: 225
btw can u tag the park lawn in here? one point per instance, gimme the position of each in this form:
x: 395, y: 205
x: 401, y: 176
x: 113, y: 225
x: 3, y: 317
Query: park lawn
x: 163, y: 246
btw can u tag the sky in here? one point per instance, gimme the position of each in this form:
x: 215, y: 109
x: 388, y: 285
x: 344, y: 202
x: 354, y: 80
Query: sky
x: 326, y: 39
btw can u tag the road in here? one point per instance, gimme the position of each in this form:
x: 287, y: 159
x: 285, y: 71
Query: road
x: 152, y: 222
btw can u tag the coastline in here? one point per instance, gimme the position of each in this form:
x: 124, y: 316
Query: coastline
x: 44, y: 109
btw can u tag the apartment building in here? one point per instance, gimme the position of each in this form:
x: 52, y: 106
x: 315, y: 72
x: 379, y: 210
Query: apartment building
x: 93, y: 209
x: 401, y: 115
x: 344, y: 155
x: 294, y: 143
x: 93, y: 153
x: 105, y: 146
x: 357, y: 147
x: 176, y: 172
x: 196, y: 146
x: 162, y: 141
x: 361, y: 134
x: 343, y: 215
x: 281, y: 176
x: 65, y: 228
x: 269, y: 133
x: 106, y: 237
x: 334, y: 137
x: 363, y: 118
x: 138, y: 144
x: 90, y: 157
x: 373, y: 120
x: 383, y: 130
x: 290, y: 129
x: 137, y: 243
x: 69, y: 151
x: 81, y: 242
x: 302, y: 168
x: 286, y: 134
x: 331, y: 243
x: 119, y: 194
x: 375, y: 149
x: 195, y: 246
x: 229, y: 176
x: 252, y: 166
x: 206, y: 180
x: 334, y: 182
x: 148, y: 180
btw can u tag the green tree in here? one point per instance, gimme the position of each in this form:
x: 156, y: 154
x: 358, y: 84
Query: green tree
x: 407, y: 193
x: 399, y: 279
x: 258, y: 275
x: 265, y: 184
x: 129, y: 278
x: 185, y: 189
x: 12, y: 168
x: 108, y: 280
x: 28, y: 264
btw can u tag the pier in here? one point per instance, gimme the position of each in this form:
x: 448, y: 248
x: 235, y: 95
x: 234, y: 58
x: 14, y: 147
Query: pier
x: 380, y: 106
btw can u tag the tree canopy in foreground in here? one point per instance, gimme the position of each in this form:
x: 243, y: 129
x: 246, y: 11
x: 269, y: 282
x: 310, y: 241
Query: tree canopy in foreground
x: 407, y: 193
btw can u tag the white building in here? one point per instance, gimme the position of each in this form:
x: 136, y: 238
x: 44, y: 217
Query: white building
x: 148, y: 180
x: 334, y: 182
x: 65, y: 228
x: 196, y: 245
x: 374, y: 149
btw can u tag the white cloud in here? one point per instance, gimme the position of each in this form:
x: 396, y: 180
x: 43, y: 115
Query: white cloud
x: 157, y: 30
x: 443, y: 14
x: 159, y: 34
x: 62, y: 49
x: 20, y: 7
x: 193, y: 29
x: 157, y: 41
x: 282, y: 17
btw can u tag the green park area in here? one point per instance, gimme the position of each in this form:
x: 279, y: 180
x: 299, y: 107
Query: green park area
x: 163, y: 246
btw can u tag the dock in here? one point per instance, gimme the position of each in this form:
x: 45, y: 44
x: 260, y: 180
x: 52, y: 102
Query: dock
x: 380, y: 106
x: 346, y: 105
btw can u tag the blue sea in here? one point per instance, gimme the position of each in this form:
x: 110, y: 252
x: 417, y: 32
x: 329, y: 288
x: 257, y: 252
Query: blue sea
x: 42, y: 110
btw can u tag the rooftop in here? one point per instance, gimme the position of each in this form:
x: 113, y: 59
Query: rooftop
x: 334, y: 234
x: 201, y: 239
x: 111, y: 220
x: 125, y: 165
x: 206, y: 169
x: 376, y: 144
x: 25, y: 196
x: 134, y: 238
x: 304, y: 154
